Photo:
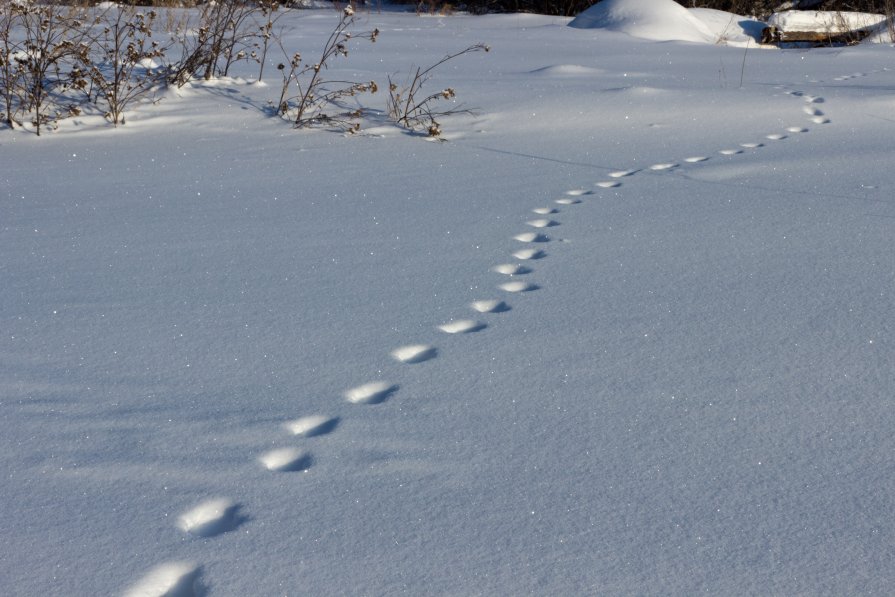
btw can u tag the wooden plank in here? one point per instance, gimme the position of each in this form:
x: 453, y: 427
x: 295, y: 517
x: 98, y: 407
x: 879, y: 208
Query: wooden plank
x: 773, y: 35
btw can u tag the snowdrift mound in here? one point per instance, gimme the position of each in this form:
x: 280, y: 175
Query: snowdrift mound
x: 660, y: 20
x: 729, y: 28
x: 666, y: 20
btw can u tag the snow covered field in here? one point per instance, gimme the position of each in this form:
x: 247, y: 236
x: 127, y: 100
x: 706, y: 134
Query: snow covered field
x: 669, y: 366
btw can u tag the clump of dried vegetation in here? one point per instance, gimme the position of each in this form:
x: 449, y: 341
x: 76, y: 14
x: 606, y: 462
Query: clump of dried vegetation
x: 59, y: 61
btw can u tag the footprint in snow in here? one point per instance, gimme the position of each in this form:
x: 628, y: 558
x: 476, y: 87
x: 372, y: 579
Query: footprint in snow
x: 173, y: 579
x: 286, y: 460
x: 609, y: 184
x: 751, y: 145
x: 529, y: 254
x: 518, y: 286
x: 813, y: 99
x: 462, y: 326
x: 797, y: 129
x: 545, y: 211
x: 511, y: 269
x: 775, y: 137
x: 812, y: 111
x: 730, y: 151
x: 312, y: 425
x: 542, y: 223
x: 490, y: 306
x: 532, y: 237
x: 568, y: 201
x: 414, y: 353
x: 661, y: 167
x: 374, y: 392
x: 697, y: 158
x: 820, y: 120
x: 622, y: 173
x: 210, y: 518
x: 578, y: 192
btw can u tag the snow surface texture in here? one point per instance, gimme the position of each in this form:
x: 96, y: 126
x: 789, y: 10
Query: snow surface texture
x: 235, y: 357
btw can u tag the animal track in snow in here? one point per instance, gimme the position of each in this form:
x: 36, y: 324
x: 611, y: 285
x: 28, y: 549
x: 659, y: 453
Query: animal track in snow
x: 210, y: 518
x: 414, y: 353
x: 609, y: 184
x: 661, y: 167
x: 695, y: 159
x: 730, y: 151
x: 490, y: 306
x: 797, y: 129
x: 545, y: 211
x: 462, y: 326
x: 286, y: 460
x: 568, y: 201
x: 374, y: 392
x: 811, y: 111
x: 813, y: 99
x: 173, y: 579
x: 529, y: 254
x: 518, y: 286
x: 775, y: 137
x: 511, y: 269
x: 578, y: 192
x: 542, y: 223
x: 622, y: 173
x: 532, y: 237
x: 751, y: 145
x: 820, y: 120
x: 312, y: 425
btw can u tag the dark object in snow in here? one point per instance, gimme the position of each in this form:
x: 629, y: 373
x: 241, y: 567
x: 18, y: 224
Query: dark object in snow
x: 775, y: 35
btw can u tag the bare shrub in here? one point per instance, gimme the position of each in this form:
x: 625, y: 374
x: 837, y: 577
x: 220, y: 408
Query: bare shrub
x: 307, y: 96
x: 122, y: 62
x: 12, y: 67
x: 410, y: 109
x: 889, y: 11
x: 42, y: 68
x: 226, y: 32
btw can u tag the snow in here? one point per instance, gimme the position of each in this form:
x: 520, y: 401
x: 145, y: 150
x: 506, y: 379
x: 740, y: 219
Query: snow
x: 686, y: 387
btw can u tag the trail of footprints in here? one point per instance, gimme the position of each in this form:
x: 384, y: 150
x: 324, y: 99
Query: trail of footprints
x: 219, y: 515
